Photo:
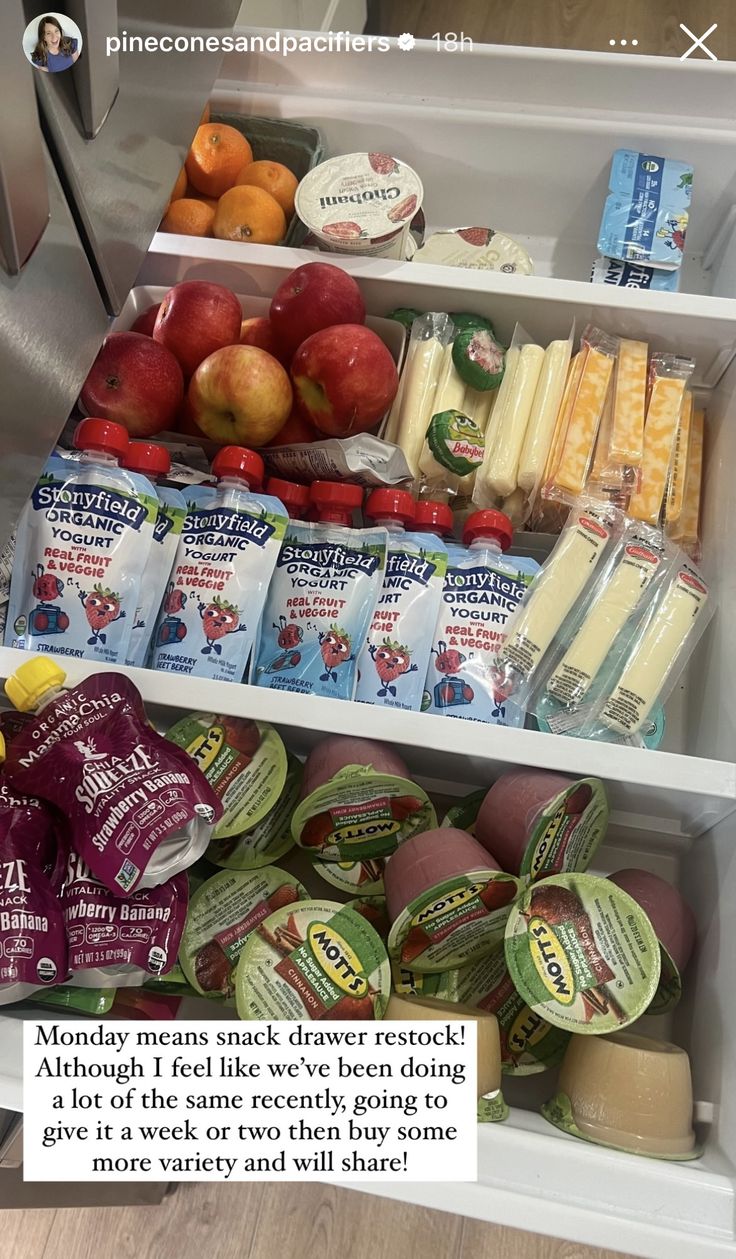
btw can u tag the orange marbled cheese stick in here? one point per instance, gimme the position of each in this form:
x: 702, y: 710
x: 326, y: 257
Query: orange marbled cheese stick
x: 663, y: 414
x: 582, y: 429
x: 678, y: 473
x: 685, y: 531
x: 629, y: 403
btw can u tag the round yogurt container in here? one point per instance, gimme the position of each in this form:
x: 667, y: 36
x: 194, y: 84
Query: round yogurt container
x: 360, y: 203
x: 480, y: 248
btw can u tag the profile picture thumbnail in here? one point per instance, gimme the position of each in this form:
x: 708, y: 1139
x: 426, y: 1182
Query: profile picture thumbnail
x: 52, y: 42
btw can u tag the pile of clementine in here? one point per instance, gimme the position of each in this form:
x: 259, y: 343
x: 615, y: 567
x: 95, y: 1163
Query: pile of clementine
x: 222, y: 192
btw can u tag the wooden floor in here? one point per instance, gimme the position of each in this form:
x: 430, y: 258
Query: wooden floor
x: 586, y: 24
x: 269, y: 1222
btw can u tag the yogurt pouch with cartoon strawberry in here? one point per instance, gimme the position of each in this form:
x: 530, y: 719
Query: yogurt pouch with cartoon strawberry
x: 170, y: 517
x: 320, y: 603
x: 81, y: 549
x: 227, y: 551
x: 138, y: 808
x: 479, y: 595
x: 393, y: 663
x: 118, y: 941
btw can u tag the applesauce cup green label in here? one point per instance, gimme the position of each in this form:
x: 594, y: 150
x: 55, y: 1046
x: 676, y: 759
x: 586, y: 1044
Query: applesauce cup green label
x: 528, y: 1043
x: 353, y: 877
x: 406, y: 982
x: 359, y: 814
x: 464, y: 814
x: 669, y: 988
x: 314, y: 960
x: 269, y: 839
x: 568, y: 831
x: 373, y: 909
x: 454, y: 923
x: 222, y: 914
x: 559, y: 1111
x: 582, y: 953
x: 244, y: 762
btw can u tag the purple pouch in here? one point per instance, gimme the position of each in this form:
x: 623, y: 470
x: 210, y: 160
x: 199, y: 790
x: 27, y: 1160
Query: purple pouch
x: 33, y: 951
x: 138, y: 808
x: 26, y: 819
x: 119, y: 941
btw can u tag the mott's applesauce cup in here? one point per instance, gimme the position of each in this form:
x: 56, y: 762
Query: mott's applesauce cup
x: 582, y: 953
x: 269, y: 839
x: 360, y: 203
x: 529, y: 1044
x: 360, y: 813
x: 363, y: 878
x: 244, y: 762
x: 314, y: 960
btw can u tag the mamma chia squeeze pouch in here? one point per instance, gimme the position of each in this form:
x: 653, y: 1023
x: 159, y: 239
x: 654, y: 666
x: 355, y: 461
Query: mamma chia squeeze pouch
x: 81, y: 549
x: 138, y: 808
x: 321, y: 600
x: 393, y: 663
x: 153, y: 462
x: 227, y: 551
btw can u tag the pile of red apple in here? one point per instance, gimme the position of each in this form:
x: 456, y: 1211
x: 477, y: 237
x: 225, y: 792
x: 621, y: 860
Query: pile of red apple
x: 192, y: 363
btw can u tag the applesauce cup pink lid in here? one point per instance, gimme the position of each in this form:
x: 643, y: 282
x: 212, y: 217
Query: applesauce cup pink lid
x: 537, y: 823
x: 674, y: 926
x: 359, y: 202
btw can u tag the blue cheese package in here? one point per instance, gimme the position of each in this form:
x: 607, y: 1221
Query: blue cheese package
x: 634, y: 275
x: 646, y: 213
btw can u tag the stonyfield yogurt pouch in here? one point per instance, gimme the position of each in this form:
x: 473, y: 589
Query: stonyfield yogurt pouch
x: 244, y: 762
x: 223, y: 913
x: 482, y: 589
x: 314, y: 960
x: 153, y: 462
x: 81, y: 549
x: 393, y: 663
x: 138, y: 809
x: 119, y: 941
x: 269, y: 838
x: 226, y: 555
x: 322, y: 596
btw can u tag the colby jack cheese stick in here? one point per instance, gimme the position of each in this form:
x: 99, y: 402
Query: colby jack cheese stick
x: 579, y: 440
x: 670, y: 375
x: 678, y: 472
x: 686, y: 530
x: 629, y: 403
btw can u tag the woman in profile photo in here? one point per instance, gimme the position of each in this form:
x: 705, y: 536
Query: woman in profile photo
x: 54, y: 51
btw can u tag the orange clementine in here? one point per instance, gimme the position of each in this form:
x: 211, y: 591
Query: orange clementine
x: 179, y: 189
x: 251, y: 215
x: 273, y: 177
x: 189, y: 217
x: 217, y: 156
x: 192, y: 193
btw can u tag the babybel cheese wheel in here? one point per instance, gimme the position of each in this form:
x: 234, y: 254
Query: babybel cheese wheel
x: 447, y: 899
x: 538, y: 823
x: 430, y: 1010
x: 674, y: 926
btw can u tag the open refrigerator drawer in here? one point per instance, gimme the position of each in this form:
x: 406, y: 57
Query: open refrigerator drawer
x: 674, y: 810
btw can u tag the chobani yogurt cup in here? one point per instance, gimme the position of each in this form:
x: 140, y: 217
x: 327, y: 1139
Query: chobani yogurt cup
x: 244, y: 762
x: 582, y: 953
x: 360, y: 203
x: 314, y: 960
x: 481, y: 248
x: 223, y: 913
x: 269, y: 839
x: 529, y: 1043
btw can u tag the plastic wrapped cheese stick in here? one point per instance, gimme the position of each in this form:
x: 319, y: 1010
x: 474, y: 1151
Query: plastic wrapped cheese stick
x: 453, y: 444
x: 686, y: 529
x: 515, y: 506
x: 669, y: 376
x: 667, y: 636
x: 546, y: 515
x: 430, y: 335
x: 503, y: 466
x: 629, y: 403
x: 543, y: 416
x: 618, y: 594
x: 560, y: 583
x: 569, y: 477
x: 678, y: 471
x: 478, y: 407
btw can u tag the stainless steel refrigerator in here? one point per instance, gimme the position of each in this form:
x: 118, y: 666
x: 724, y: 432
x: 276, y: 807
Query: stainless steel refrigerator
x: 88, y: 158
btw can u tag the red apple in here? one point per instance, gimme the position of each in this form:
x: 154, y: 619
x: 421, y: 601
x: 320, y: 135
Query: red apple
x: 344, y: 379
x: 315, y: 296
x: 240, y: 396
x: 296, y: 429
x: 259, y: 331
x: 145, y: 321
x: 134, y: 381
x: 196, y: 318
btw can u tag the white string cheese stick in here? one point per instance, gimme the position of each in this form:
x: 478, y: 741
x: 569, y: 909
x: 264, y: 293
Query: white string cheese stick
x: 504, y: 463
x: 515, y: 507
x: 630, y: 397
x: 560, y: 583
x: 582, y: 661
x: 543, y: 416
x: 678, y: 473
x: 663, y: 414
x: 419, y: 391
x: 478, y: 405
x: 686, y: 531
x: 656, y: 653
x: 449, y: 396
x: 582, y: 430
x: 497, y: 414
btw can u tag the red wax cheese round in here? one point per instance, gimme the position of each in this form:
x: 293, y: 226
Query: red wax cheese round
x: 538, y: 823
x: 674, y: 926
x: 447, y: 899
